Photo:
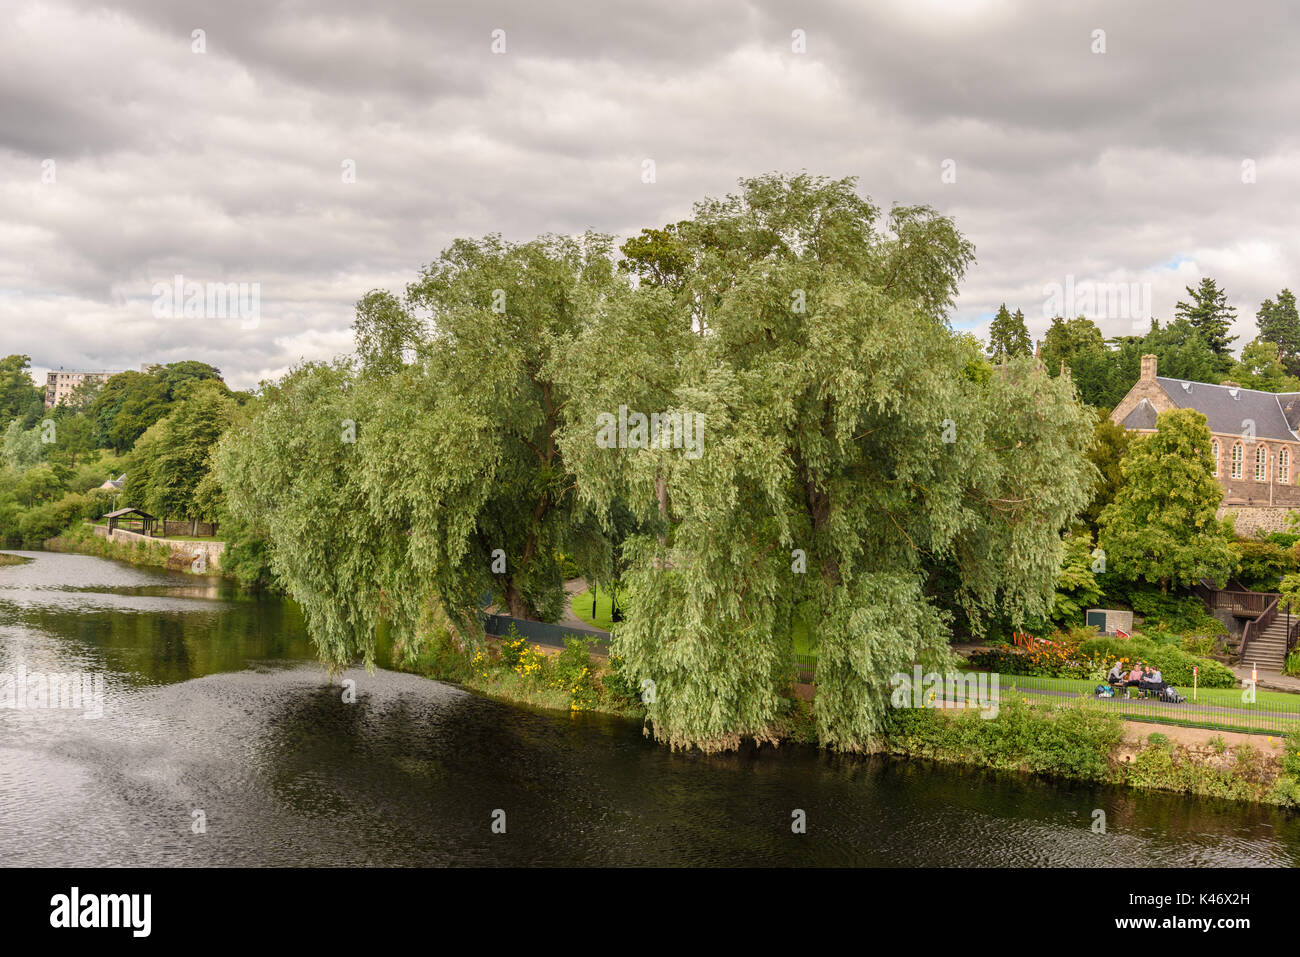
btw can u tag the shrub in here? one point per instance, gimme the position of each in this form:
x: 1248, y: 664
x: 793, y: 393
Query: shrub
x: 1174, y: 664
x: 1283, y: 539
x: 1048, y: 661
x: 1292, y: 666
x: 1263, y: 564
x: 46, y: 521
x: 572, y: 673
x: 519, y: 656
x: 1291, y: 755
x: 1177, y: 613
x: 618, y: 684
x: 1067, y: 741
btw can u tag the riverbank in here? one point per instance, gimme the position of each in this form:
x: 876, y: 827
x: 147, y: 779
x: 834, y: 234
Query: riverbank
x: 515, y: 671
x: 1065, y: 742
x: 1027, y: 735
x: 138, y: 550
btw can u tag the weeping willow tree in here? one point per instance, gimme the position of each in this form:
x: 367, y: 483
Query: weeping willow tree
x: 292, y: 470
x: 824, y: 441
x: 405, y: 484
x: 847, y: 445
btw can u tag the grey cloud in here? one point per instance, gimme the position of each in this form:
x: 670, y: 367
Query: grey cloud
x: 226, y: 167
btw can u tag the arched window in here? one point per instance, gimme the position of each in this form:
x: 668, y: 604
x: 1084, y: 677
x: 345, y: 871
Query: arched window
x: 1214, y: 454
x: 1284, y: 466
x: 1236, y: 460
x: 1261, y: 463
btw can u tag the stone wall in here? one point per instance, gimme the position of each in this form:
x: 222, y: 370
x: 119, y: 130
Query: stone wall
x: 184, y: 556
x: 1269, y: 518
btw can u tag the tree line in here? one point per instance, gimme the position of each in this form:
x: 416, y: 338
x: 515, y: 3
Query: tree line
x: 1195, y: 345
x: 158, y: 427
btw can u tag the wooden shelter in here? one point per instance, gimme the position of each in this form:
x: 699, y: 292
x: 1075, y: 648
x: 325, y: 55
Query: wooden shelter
x: 131, y: 520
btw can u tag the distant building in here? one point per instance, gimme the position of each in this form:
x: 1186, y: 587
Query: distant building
x: 114, y: 485
x: 59, y: 384
x: 1254, y: 442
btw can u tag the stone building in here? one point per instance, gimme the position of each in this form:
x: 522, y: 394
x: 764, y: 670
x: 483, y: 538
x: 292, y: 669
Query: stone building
x: 1254, y: 444
x: 60, y: 383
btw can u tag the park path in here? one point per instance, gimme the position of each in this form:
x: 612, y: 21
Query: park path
x: 1268, y: 679
x: 574, y: 586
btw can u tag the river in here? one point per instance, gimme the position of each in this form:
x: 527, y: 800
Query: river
x: 215, y: 710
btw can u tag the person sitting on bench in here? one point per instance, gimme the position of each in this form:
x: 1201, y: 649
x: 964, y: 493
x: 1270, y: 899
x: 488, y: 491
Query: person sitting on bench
x: 1155, y: 681
x: 1115, y: 677
x: 1134, y: 678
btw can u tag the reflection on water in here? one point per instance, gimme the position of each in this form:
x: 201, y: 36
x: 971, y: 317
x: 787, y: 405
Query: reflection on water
x: 214, y: 703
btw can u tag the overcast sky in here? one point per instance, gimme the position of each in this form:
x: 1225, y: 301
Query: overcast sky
x: 1123, y: 166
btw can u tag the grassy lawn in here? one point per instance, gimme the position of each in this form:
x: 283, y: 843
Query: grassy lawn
x: 803, y: 642
x: 581, y: 606
x: 1272, y: 712
x: 1226, y: 697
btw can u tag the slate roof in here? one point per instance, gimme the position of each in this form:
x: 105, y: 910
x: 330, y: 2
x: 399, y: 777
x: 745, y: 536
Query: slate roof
x: 1226, y: 409
x: 128, y: 511
x: 1143, y: 416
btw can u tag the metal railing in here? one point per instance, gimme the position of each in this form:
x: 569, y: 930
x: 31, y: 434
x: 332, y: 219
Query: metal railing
x: 1257, y: 627
x: 805, y: 668
x: 1222, y: 709
x: 541, y: 632
x: 1237, y: 602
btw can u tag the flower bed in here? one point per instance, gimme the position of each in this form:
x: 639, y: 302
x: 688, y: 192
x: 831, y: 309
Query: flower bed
x: 1094, y: 657
x: 1043, y: 660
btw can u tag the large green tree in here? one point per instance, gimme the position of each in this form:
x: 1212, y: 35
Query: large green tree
x: 20, y: 397
x: 1161, y: 526
x: 425, y: 484
x: 1210, y: 315
x: 1110, y: 443
x: 131, y: 401
x: 1065, y: 339
x: 171, y: 461
x: 1008, y: 337
x: 1261, y: 367
x: 1279, y: 323
x: 844, y: 444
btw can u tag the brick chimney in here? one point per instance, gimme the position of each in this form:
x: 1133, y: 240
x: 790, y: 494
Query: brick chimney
x: 1148, y: 367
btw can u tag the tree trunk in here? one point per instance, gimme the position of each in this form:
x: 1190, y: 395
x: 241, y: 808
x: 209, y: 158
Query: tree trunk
x: 515, y: 603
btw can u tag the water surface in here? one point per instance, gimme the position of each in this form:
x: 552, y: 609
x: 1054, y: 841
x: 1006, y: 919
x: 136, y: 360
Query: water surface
x: 214, y: 702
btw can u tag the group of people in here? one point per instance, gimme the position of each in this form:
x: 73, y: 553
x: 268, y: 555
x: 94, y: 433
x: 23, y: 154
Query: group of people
x: 1146, y: 679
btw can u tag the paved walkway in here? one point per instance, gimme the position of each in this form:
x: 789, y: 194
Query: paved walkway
x: 574, y: 586
x: 1268, y: 679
